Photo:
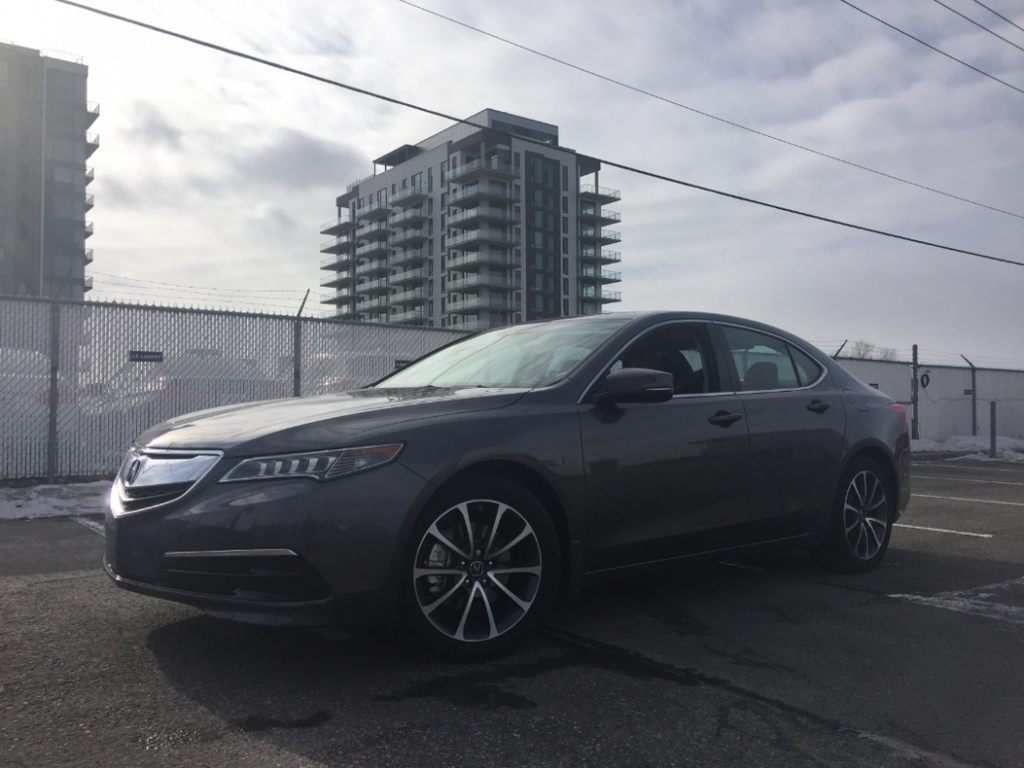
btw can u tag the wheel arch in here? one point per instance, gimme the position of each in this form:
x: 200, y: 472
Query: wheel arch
x: 879, y: 456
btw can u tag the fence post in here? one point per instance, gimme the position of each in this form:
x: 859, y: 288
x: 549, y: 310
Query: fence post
x: 992, y: 429
x: 915, y: 431
x: 974, y: 398
x: 297, y: 351
x: 51, y: 438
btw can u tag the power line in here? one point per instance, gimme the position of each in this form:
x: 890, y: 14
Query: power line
x: 979, y: 25
x: 997, y: 13
x: 708, y: 114
x: 926, y: 45
x: 463, y: 121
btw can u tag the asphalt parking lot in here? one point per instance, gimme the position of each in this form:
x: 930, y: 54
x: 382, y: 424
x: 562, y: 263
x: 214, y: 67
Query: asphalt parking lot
x: 770, y: 662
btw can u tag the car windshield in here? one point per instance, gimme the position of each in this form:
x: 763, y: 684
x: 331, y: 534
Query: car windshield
x: 519, y: 356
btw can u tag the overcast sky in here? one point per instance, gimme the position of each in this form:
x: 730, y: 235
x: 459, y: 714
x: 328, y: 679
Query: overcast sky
x: 217, y: 173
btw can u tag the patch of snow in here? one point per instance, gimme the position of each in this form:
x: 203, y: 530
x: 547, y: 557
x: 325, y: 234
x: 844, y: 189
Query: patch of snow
x: 1007, y: 448
x: 54, y: 500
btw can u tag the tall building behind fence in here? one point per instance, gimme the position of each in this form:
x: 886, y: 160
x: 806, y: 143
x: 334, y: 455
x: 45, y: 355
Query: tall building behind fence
x: 45, y: 145
x: 487, y: 223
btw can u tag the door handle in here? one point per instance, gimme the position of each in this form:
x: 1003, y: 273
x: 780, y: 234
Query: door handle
x: 817, y: 406
x: 724, y: 419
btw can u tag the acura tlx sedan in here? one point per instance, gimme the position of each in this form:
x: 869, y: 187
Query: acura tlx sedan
x: 464, y: 494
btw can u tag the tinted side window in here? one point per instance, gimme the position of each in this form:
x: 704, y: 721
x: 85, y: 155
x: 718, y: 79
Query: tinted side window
x: 680, y: 349
x: 808, y: 368
x: 762, y: 361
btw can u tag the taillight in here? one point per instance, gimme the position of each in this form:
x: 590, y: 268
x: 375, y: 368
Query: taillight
x: 901, y: 412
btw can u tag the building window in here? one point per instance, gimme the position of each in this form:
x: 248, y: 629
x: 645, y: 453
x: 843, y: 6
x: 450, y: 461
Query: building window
x: 565, y: 178
x: 565, y: 307
x: 565, y: 204
x: 565, y: 285
x: 565, y: 245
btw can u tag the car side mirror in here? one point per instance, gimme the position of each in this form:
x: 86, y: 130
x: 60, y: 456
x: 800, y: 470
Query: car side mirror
x: 637, y: 385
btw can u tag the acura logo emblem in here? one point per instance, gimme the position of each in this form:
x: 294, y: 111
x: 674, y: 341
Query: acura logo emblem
x: 133, y: 472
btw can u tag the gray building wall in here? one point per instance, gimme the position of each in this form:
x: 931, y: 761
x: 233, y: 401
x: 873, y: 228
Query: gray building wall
x: 44, y: 148
x: 473, y: 228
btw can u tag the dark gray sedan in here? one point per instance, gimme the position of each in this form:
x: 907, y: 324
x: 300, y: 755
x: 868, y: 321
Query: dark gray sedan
x: 464, y: 494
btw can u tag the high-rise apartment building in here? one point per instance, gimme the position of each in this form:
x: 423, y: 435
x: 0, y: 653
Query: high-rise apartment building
x: 44, y: 147
x: 484, y: 224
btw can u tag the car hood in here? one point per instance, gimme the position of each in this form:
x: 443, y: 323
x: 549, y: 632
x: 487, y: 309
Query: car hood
x: 315, y: 423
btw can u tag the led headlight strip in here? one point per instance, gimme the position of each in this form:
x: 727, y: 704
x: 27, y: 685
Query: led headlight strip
x: 319, y: 465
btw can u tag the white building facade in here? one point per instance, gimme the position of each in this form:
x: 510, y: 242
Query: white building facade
x: 485, y: 224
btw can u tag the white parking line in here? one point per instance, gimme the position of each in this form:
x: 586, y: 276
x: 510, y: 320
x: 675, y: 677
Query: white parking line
x: 980, y: 601
x: 942, y: 530
x: 964, y: 480
x: 973, y: 501
x: 93, y: 525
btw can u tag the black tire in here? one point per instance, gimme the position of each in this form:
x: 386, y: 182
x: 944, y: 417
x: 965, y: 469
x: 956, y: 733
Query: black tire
x: 862, y: 518
x: 482, y: 570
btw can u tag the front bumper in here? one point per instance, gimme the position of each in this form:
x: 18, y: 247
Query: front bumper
x: 286, y: 552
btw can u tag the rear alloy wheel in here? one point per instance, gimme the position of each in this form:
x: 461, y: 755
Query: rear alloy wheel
x: 861, y: 520
x: 484, y: 569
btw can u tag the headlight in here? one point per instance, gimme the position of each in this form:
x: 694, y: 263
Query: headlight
x: 319, y: 465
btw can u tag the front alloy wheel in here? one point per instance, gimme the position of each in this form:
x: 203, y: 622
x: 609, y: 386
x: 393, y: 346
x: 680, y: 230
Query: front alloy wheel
x: 484, y: 571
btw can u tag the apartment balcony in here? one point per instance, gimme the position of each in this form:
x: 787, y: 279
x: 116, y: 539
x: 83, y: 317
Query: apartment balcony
x: 478, y: 303
x: 478, y: 215
x: 596, y: 294
x: 474, y: 194
x: 339, y: 226
x: 403, y: 238
x: 90, y: 175
x: 373, y: 212
x: 370, y: 268
x: 376, y: 248
x: 92, y: 112
x: 372, y: 287
x: 475, y: 282
x: 89, y: 202
x: 476, y: 169
x: 602, y: 216
x: 601, y: 236
x: 409, y: 276
x: 92, y: 143
x: 409, y: 218
x: 336, y: 279
x: 370, y: 304
x: 477, y: 259
x: 338, y: 298
x: 88, y: 229
x: 378, y: 230
x: 416, y: 316
x: 340, y: 261
x: 342, y: 244
x: 475, y: 236
x: 410, y: 296
x: 600, y: 195
x: 345, y: 310
x: 88, y: 255
x: 410, y: 196
x: 408, y: 258
x: 590, y: 272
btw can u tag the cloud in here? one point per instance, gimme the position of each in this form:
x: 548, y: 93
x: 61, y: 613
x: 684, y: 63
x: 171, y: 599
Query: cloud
x: 298, y: 160
x: 151, y: 128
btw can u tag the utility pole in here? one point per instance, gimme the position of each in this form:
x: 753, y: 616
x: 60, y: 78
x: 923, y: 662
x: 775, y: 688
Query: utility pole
x: 974, y: 398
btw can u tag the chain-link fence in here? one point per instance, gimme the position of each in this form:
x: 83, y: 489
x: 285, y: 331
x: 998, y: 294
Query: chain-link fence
x: 80, y: 380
